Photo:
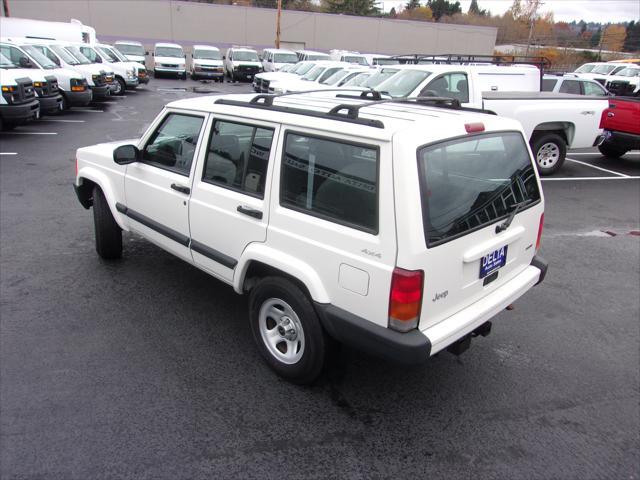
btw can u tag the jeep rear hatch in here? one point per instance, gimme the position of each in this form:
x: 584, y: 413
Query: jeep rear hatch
x: 478, y: 196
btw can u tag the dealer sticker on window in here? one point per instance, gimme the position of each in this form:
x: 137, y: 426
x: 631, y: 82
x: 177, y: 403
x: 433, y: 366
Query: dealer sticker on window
x: 493, y: 261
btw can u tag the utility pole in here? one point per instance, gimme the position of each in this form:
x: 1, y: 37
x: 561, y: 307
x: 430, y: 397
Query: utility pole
x: 5, y: 7
x: 532, y: 11
x: 277, y: 23
x: 600, y: 44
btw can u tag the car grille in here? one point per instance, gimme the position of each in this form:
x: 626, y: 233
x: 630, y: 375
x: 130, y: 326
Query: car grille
x: 25, y: 90
x: 169, y: 65
x: 211, y: 69
x: 51, y: 87
x: 620, y: 87
x: 100, y: 80
x: 142, y: 72
x: 265, y: 86
x: 247, y: 69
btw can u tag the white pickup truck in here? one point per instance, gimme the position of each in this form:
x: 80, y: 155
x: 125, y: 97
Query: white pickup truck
x: 552, y: 122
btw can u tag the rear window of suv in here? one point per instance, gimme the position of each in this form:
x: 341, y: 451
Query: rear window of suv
x: 471, y: 182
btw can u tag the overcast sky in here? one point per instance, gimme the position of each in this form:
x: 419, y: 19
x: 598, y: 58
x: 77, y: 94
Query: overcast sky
x: 564, y: 10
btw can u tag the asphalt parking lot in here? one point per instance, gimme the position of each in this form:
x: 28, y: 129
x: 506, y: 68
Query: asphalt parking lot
x: 145, y: 368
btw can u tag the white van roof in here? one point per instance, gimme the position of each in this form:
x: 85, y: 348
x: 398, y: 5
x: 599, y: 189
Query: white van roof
x: 170, y: 45
x: 206, y: 47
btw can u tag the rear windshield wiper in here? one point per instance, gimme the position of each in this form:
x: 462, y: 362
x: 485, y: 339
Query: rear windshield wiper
x: 517, y: 206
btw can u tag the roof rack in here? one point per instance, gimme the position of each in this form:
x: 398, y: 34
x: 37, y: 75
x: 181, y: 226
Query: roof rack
x: 348, y: 112
x: 457, y: 59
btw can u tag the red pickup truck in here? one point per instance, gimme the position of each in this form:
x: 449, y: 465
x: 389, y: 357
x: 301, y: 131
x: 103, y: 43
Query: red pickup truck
x: 621, y: 124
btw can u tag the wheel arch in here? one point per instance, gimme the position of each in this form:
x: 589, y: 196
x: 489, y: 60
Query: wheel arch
x: 259, y: 260
x: 87, y: 179
x: 566, y: 130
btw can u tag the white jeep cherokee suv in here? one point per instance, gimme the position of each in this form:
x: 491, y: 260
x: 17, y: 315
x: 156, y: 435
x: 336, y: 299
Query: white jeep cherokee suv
x: 400, y: 227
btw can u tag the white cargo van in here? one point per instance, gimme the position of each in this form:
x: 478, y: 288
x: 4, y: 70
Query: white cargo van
x: 349, y: 57
x: 18, y: 102
x: 134, y: 51
x: 169, y: 59
x: 241, y: 63
x: 273, y: 59
x: 125, y: 72
x: 309, y: 55
x: 206, y: 62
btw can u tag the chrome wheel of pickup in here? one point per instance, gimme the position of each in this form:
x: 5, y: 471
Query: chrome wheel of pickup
x: 548, y: 155
x: 281, y: 330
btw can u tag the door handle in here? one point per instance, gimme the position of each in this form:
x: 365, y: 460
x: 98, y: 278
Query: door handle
x: 181, y: 189
x: 250, y: 212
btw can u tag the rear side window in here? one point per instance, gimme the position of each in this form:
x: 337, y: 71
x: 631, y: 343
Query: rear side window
x: 332, y: 180
x: 548, y: 84
x: 471, y: 182
x: 592, y: 88
x: 238, y: 157
x: 571, y: 86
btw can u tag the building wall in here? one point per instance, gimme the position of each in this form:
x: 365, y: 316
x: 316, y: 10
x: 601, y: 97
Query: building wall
x: 188, y: 23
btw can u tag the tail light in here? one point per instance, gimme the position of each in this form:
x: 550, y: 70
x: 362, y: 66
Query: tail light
x: 405, y: 299
x: 540, y: 232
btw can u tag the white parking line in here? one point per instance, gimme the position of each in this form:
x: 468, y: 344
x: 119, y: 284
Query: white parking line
x: 571, y: 179
x: 8, y: 153
x: 29, y: 133
x: 597, y: 168
x: 75, y: 110
x: 599, y: 154
x: 59, y: 120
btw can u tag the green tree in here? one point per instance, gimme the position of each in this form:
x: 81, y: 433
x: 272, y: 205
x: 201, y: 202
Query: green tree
x: 595, y: 38
x: 632, y: 42
x: 474, y: 9
x: 441, y: 8
x: 392, y: 12
x: 412, y: 4
x: 352, y: 7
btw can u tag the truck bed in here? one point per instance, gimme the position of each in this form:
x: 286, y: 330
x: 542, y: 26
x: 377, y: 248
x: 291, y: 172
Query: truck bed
x: 536, y: 96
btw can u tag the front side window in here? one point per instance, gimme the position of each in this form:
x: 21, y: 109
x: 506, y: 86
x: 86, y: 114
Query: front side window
x: 91, y: 54
x: 63, y: 54
x: 327, y: 73
x: 238, y: 157
x: 471, y: 182
x: 13, y: 54
x: 174, y: 142
x: 571, y: 86
x: 75, y: 51
x: 333, y: 180
x: 450, y: 85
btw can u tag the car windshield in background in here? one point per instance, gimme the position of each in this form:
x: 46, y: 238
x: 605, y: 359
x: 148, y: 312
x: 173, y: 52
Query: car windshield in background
x: 314, y: 73
x: 285, y: 58
x: 207, y: 55
x: 548, y: 84
x: 336, y: 77
x: 75, y: 51
x: 169, y: 52
x: 355, y: 59
x: 402, y: 84
x: 64, y: 54
x: 317, y: 57
x: 6, y: 63
x: 629, y: 72
x: 603, y: 69
x: 472, y: 182
x: 39, y: 58
x: 304, y: 68
x: 357, y: 81
x: 385, y: 61
x: 585, y: 68
x: 380, y: 76
x: 120, y: 57
x: 108, y: 55
x: 130, y: 49
x: 245, y: 56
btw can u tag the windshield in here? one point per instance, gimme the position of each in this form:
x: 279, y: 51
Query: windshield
x: 63, y: 54
x: 109, y: 57
x: 357, y: 81
x: 286, y: 68
x: 317, y: 56
x: 380, y: 76
x: 630, y: 72
x: 302, y: 68
x: 604, y: 69
x: 402, y: 84
x: 586, y: 68
x: 472, y: 182
x: 207, y: 55
x: 130, y: 49
x: 355, y: 59
x: 117, y: 54
x: 169, y: 52
x: 75, y: 51
x: 335, y: 77
x: 245, y: 56
x: 38, y: 57
x: 385, y: 61
x: 285, y: 58
x: 6, y: 63
x: 314, y: 73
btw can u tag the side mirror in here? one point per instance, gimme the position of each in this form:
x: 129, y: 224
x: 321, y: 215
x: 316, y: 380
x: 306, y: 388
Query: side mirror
x: 25, y: 62
x: 146, y: 53
x: 98, y: 59
x: 126, y: 154
x: 224, y: 57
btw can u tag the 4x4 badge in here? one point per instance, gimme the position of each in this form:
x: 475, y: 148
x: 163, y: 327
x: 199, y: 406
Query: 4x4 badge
x: 370, y: 253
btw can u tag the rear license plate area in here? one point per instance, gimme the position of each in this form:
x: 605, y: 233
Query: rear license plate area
x: 493, y: 261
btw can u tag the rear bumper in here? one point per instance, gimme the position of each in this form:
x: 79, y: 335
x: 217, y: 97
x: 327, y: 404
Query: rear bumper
x: 628, y: 141
x: 50, y: 104
x: 78, y: 99
x: 21, y: 113
x: 457, y: 326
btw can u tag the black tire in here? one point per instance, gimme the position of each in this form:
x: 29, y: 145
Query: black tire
x: 156, y: 74
x: 122, y: 87
x: 65, y: 103
x: 611, y: 151
x: 183, y: 76
x: 194, y: 76
x: 549, y: 152
x: 108, y: 232
x: 6, y: 127
x: 316, y: 342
